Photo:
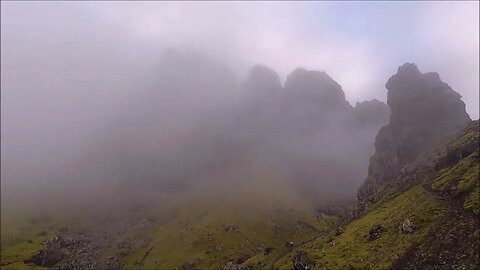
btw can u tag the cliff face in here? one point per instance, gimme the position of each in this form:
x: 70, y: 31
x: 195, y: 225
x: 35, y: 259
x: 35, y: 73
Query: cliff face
x: 371, y: 113
x: 316, y: 90
x: 424, y: 111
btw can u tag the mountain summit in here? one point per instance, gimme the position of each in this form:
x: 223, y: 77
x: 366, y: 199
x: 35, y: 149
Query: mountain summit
x: 424, y: 111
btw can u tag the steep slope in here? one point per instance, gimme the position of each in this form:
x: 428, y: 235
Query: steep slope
x: 439, y: 201
x: 442, y: 205
x: 419, y: 206
x: 199, y: 234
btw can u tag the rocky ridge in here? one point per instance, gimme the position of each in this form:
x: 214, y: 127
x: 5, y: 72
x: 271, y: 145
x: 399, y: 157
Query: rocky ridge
x: 424, y: 111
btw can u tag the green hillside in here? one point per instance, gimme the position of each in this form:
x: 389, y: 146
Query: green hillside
x: 441, y: 199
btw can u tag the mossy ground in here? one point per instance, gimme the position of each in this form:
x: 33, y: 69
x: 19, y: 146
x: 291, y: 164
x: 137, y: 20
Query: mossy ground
x: 22, y: 235
x: 460, y: 177
x: 197, y: 236
x: 353, y: 247
x: 192, y: 236
x: 187, y: 232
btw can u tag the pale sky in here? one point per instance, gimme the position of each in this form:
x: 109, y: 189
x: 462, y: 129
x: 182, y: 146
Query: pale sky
x: 359, y: 44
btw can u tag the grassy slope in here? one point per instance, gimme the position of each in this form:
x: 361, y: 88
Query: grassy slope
x: 22, y: 235
x: 190, y: 237
x: 189, y: 232
x: 353, y: 246
x: 196, y: 235
x: 433, y: 206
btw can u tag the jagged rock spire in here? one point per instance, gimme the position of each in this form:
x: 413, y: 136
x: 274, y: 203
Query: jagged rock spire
x: 424, y: 110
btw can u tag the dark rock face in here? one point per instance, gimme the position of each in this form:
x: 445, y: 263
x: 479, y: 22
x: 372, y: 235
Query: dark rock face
x: 375, y: 232
x: 422, y: 107
x: 424, y: 110
x: 46, y: 258
x: 67, y: 251
x: 318, y: 88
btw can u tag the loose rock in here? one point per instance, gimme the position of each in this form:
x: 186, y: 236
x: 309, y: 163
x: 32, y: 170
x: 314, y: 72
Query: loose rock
x: 375, y: 232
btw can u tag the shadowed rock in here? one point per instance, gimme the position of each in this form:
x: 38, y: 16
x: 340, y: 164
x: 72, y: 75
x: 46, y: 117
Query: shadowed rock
x: 316, y: 87
x: 262, y: 79
x: 424, y: 110
x: 371, y: 113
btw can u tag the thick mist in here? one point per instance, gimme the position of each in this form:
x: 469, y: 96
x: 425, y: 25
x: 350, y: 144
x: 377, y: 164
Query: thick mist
x: 184, y: 127
x: 92, y: 117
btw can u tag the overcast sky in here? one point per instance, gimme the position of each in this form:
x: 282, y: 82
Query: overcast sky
x: 360, y: 44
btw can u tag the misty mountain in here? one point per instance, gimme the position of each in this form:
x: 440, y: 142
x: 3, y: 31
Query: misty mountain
x: 193, y: 121
x: 264, y: 175
x: 239, y: 135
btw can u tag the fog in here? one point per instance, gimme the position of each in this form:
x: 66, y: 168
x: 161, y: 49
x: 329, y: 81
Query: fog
x: 112, y: 103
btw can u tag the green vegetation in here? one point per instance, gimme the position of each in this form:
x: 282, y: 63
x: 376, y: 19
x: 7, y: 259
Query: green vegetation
x: 460, y: 177
x: 22, y: 236
x: 211, y: 238
x: 472, y: 202
x: 200, y: 233
x: 354, y: 248
x: 470, y: 135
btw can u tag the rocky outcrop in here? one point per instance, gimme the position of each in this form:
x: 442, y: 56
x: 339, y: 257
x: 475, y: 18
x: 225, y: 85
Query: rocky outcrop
x: 424, y: 110
x: 317, y: 88
x: 67, y: 251
x: 262, y: 79
x: 371, y: 113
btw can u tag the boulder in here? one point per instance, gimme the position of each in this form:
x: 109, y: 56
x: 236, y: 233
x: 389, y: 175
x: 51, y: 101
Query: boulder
x: 233, y: 266
x: 375, y: 232
x: 407, y: 226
